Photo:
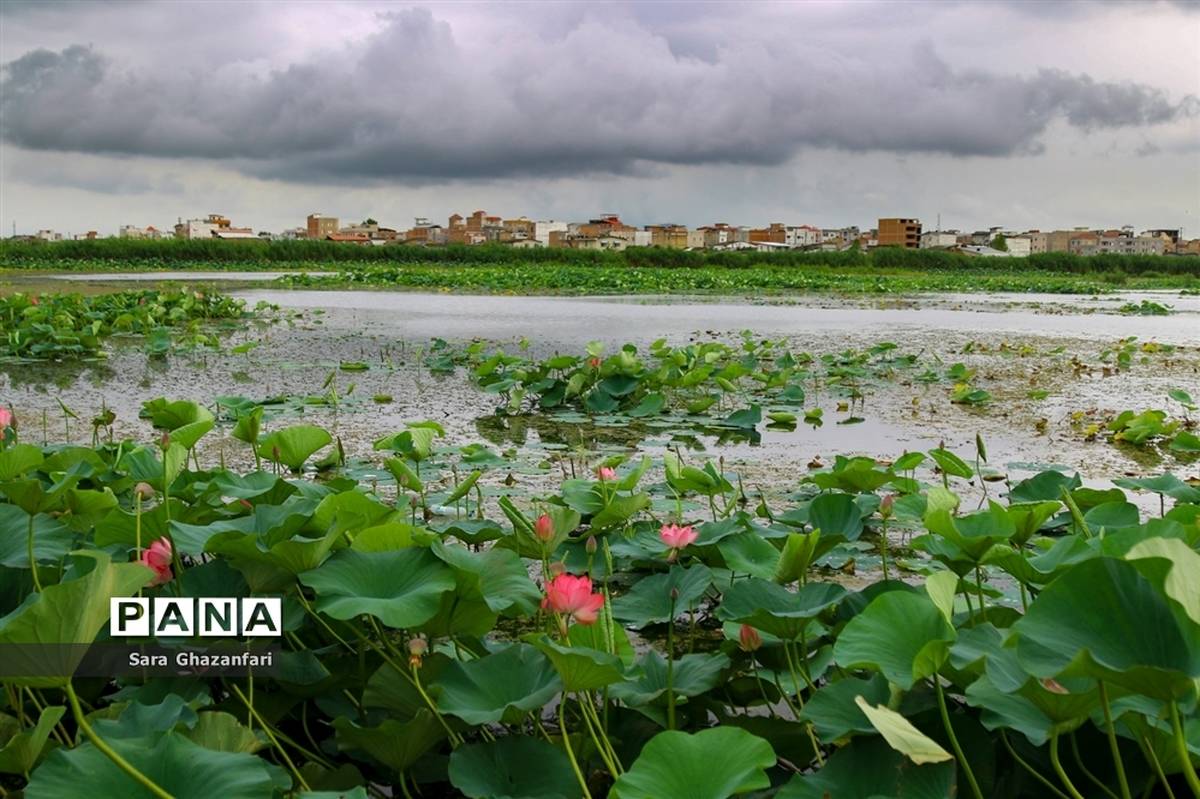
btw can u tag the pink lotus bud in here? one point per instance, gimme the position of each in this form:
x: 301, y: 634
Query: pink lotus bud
x: 143, y: 491
x: 885, y: 506
x: 748, y: 638
x: 543, y: 528
x: 590, y: 545
x: 556, y: 568
x: 6, y: 418
x: 606, y: 473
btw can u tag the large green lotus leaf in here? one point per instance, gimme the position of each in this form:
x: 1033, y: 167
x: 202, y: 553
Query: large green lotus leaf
x: 187, y: 422
x: 513, y: 767
x: 182, y: 768
x: 1179, y: 571
x: 1041, y: 568
x: 395, y: 744
x: 1028, y: 518
x: 1044, y: 487
x: 1109, y: 516
x: 836, y: 514
x: 482, y: 691
x: 619, y: 509
x: 395, y: 692
x: 800, y: 551
x: 580, y: 669
x: 33, y: 496
x: 833, y: 711
x: 774, y: 609
x: 973, y: 533
x: 348, y: 510
x: 473, y: 531
x: 1018, y: 711
x: 23, y: 750
x: 901, y: 634
x: 496, y: 576
x: 693, y: 675
x: 19, y: 459
x: 224, y: 733
x: 1165, y: 483
x: 901, y: 735
x: 271, y: 569
x: 649, y: 601
x: 401, y: 588
x: 456, y: 618
x: 292, y: 446
x: 710, y: 764
x: 72, y: 612
x: 870, y: 769
x: 1103, y: 619
x: 136, y: 719
x: 51, y: 538
x: 143, y: 464
x: 749, y: 553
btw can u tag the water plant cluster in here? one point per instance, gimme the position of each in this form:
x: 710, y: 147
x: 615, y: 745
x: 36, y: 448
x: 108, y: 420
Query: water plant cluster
x: 644, y: 628
x: 58, y: 326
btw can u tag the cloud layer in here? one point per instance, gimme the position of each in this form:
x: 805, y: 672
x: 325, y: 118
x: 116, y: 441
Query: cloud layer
x: 413, y: 101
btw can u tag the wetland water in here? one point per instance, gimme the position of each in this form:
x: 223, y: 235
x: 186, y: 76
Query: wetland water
x: 1017, y: 344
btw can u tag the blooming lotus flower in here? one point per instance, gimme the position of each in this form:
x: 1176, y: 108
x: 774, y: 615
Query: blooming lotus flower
x: 543, y: 528
x: 6, y: 418
x: 676, y: 537
x: 748, y: 638
x: 572, y: 596
x: 606, y: 473
x: 157, y: 557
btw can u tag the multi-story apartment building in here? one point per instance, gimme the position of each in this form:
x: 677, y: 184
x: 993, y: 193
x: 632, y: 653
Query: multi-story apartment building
x: 319, y: 227
x: 544, y: 229
x: 899, y: 232
x: 205, y: 228
x: 670, y: 236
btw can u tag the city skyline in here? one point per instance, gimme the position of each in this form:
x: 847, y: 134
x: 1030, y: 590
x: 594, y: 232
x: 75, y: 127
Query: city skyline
x: 1009, y: 114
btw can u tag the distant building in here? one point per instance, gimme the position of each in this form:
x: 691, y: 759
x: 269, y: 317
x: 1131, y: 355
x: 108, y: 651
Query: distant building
x: 1019, y: 246
x: 203, y: 228
x: 983, y: 251
x: 321, y: 227
x: 135, y: 232
x: 939, y: 239
x: 544, y: 228
x: 669, y: 236
x: 235, y: 234
x: 897, y: 232
x: 349, y: 238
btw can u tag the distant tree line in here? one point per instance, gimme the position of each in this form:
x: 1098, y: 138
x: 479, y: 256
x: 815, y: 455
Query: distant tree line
x: 183, y: 253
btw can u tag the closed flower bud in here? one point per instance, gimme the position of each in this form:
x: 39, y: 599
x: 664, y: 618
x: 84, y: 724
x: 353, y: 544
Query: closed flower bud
x: 143, y: 491
x: 543, y: 528
x: 748, y: 638
x: 590, y: 545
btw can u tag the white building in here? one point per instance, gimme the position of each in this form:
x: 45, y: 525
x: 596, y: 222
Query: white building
x: 641, y: 238
x: 802, y: 236
x: 1019, y: 246
x: 543, y: 228
x: 938, y: 239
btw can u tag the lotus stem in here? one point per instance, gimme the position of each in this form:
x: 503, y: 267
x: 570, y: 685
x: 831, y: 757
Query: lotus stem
x: 562, y: 730
x: 1112, y: 743
x: 37, y: 581
x: 958, y: 752
x: 112, y: 754
x: 671, y: 666
x: 1033, y: 772
x: 1058, y: 769
x: 1189, y: 770
x: 1086, y: 772
x: 1158, y: 769
x: 274, y: 741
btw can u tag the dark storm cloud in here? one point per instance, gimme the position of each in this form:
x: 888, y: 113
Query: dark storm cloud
x: 410, y: 102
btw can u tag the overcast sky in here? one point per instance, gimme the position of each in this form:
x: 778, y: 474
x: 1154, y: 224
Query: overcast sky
x: 1019, y: 114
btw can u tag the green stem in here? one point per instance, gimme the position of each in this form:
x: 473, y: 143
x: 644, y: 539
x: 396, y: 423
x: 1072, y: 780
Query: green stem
x: 1158, y: 769
x: 1112, y: 743
x: 979, y: 586
x: 1034, y: 772
x: 1086, y: 772
x: 600, y: 748
x: 883, y: 549
x: 612, y: 752
x: 958, y: 752
x: 1058, y: 769
x: 562, y: 730
x: 274, y: 741
x: 1189, y: 770
x: 671, y: 667
x: 37, y: 581
x: 108, y: 751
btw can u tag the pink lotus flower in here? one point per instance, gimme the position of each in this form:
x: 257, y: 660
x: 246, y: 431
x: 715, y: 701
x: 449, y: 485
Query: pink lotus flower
x: 158, y: 558
x: 594, y: 363
x: 543, y: 528
x: 606, y: 473
x: 572, y: 596
x: 6, y: 418
x: 33, y: 300
x: 748, y: 638
x: 885, y: 506
x: 676, y: 536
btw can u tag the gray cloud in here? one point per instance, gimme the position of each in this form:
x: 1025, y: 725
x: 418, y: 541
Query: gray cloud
x: 414, y: 102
